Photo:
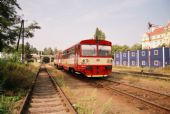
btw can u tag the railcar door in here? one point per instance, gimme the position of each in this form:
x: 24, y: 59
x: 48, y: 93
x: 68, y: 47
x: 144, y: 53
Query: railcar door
x: 76, y: 57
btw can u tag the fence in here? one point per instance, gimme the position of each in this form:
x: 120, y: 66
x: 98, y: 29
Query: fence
x: 157, y: 57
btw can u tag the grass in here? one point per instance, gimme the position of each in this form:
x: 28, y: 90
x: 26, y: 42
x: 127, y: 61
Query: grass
x: 87, y: 103
x: 107, y: 106
x: 131, y: 79
x: 15, y: 80
x: 7, y: 103
x: 58, y: 76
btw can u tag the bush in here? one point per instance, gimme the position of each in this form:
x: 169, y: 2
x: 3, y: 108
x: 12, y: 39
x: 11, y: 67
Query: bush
x: 15, y: 77
x: 30, y: 60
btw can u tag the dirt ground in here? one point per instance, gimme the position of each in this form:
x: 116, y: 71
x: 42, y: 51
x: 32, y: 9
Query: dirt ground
x: 158, y: 85
x: 89, y: 99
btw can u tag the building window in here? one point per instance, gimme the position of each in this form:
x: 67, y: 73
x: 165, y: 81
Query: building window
x: 160, y: 41
x: 156, y: 62
x: 143, y: 62
x: 133, y: 63
x: 124, y: 54
x: 133, y: 54
x: 143, y: 53
x: 117, y: 55
x: 155, y: 52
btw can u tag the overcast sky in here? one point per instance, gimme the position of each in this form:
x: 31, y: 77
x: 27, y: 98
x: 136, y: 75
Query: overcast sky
x: 66, y: 22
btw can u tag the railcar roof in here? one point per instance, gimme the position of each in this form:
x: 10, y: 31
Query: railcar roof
x: 91, y: 41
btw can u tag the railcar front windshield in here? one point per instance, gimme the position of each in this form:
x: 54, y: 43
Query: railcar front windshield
x: 89, y: 50
x: 104, y: 50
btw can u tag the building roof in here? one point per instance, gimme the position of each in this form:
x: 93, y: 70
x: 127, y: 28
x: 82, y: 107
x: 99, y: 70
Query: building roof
x: 168, y: 25
x: 158, y: 30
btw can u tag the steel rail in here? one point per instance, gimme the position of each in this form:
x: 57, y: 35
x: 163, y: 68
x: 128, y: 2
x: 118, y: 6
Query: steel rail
x: 148, y: 75
x: 28, y: 95
x: 136, y: 97
x: 67, y: 101
x: 138, y: 87
x: 63, y: 97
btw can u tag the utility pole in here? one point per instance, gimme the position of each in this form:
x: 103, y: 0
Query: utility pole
x: 21, y: 32
x: 23, y: 58
x: 149, y: 35
x: 149, y: 53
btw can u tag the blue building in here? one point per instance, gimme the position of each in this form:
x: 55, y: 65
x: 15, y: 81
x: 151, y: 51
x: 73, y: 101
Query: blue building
x: 117, y: 58
x: 125, y: 58
x: 157, y: 57
x: 167, y: 56
x: 143, y: 58
x: 134, y: 58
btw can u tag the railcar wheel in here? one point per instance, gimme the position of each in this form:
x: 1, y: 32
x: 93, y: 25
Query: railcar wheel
x: 71, y: 70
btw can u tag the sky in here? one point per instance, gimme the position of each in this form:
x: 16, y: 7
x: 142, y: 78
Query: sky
x: 66, y: 22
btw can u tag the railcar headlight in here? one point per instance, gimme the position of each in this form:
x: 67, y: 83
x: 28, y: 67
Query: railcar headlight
x: 109, y: 61
x: 84, y: 61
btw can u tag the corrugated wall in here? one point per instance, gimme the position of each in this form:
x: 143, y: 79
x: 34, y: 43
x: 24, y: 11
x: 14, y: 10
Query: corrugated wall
x: 157, y: 57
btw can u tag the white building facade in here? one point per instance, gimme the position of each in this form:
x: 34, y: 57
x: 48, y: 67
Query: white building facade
x: 157, y: 37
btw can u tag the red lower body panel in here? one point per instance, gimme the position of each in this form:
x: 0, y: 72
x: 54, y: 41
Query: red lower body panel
x: 95, y: 70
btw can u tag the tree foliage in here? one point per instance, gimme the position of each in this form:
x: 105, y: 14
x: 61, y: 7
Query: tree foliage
x: 123, y: 48
x: 48, y: 51
x: 55, y: 50
x: 33, y: 50
x: 10, y: 24
x: 136, y: 46
x: 119, y: 48
x: 8, y: 18
x: 28, y: 51
x: 99, y: 34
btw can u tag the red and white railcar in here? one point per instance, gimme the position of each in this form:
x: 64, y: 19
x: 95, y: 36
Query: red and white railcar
x: 58, y: 60
x: 90, y: 57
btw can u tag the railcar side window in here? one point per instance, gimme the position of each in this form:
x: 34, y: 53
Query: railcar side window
x: 89, y: 50
x: 104, y: 50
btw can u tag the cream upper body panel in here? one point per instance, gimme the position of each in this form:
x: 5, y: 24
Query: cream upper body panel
x: 94, y: 61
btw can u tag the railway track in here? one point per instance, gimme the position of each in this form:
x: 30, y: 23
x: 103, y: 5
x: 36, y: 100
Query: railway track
x: 155, y: 99
x: 152, y: 99
x: 144, y: 74
x: 45, y: 97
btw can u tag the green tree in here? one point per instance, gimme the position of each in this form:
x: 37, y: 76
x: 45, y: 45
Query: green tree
x: 48, y: 51
x: 10, y: 24
x: 99, y: 34
x: 124, y: 48
x: 55, y: 50
x: 28, y: 30
x: 34, y: 50
x: 136, y: 46
x: 28, y: 51
x: 8, y: 18
x: 116, y: 48
x: 119, y: 48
